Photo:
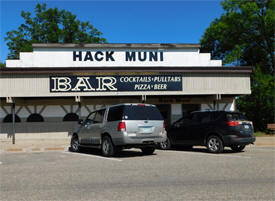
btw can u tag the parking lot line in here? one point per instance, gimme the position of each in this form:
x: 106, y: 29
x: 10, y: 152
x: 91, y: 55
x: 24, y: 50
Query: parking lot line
x: 209, y: 154
x: 261, y: 149
x: 92, y: 156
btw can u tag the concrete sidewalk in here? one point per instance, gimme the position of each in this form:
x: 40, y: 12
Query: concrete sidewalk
x: 35, y: 145
x: 42, y: 145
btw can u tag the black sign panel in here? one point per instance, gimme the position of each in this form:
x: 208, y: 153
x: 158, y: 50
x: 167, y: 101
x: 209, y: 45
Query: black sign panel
x: 115, y: 83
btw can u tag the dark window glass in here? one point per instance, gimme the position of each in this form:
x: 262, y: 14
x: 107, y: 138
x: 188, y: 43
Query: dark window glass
x: 235, y: 117
x: 35, y: 118
x: 217, y: 115
x: 136, y: 112
x: 91, y: 116
x: 99, y: 116
x: 201, y: 117
x: 115, y: 113
x: 8, y: 118
x: 71, y: 117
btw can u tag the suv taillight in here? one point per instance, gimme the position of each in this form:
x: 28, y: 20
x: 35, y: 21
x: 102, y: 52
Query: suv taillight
x: 164, y: 125
x: 232, y: 123
x: 121, y: 126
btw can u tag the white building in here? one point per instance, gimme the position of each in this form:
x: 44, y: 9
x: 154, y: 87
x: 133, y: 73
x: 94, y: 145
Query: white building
x: 58, y: 83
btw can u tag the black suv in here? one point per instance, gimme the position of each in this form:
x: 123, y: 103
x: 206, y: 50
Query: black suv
x: 213, y: 129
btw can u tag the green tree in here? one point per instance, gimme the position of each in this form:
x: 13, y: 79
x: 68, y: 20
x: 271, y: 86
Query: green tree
x: 244, y: 35
x: 2, y: 65
x: 50, y: 26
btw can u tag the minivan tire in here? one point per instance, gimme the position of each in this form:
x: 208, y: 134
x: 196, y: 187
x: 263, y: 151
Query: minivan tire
x: 237, y: 148
x: 148, y: 150
x: 75, y: 145
x: 214, y: 144
x: 107, y: 147
x: 165, y: 145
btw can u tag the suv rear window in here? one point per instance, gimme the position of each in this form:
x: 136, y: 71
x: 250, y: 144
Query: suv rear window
x: 134, y: 112
x: 115, y: 113
x: 235, y: 117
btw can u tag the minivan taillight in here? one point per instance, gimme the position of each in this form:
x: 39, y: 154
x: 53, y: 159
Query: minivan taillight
x: 232, y: 123
x: 121, y: 126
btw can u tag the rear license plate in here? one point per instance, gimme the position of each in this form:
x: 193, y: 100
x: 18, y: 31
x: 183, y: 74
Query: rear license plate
x: 146, y: 129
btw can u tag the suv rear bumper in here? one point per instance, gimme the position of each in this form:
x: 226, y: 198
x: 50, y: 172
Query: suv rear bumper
x: 233, y: 140
x: 143, y: 141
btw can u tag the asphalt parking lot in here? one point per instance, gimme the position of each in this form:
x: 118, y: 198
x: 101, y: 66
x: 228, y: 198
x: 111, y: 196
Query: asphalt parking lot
x: 166, y: 175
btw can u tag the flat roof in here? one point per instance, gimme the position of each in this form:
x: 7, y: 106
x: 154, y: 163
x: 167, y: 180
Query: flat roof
x: 118, y: 45
x: 73, y: 70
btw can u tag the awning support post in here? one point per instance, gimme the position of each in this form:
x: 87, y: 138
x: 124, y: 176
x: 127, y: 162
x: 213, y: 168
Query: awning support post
x: 78, y: 100
x: 11, y: 100
x: 13, y: 123
x: 216, y: 101
x: 143, y: 98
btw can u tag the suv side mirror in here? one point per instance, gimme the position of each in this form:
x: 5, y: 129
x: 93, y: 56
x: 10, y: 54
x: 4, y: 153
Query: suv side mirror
x: 80, y: 121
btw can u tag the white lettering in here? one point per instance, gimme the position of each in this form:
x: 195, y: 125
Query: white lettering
x: 106, y: 82
x: 62, y: 84
x: 83, y: 82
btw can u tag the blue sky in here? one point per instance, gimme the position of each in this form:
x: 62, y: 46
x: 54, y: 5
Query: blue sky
x: 155, y: 21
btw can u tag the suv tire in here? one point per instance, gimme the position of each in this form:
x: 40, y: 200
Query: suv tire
x: 75, y: 145
x: 148, y: 150
x: 165, y: 145
x: 237, y: 148
x: 214, y: 144
x: 107, y: 147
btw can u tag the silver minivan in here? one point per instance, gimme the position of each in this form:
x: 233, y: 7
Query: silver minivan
x: 122, y: 126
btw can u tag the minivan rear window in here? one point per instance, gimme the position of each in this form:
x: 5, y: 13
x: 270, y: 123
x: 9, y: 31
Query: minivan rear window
x: 235, y: 117
x: 136, y: 112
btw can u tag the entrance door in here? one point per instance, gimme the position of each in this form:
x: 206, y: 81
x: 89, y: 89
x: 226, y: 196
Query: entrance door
x: 165, y: 110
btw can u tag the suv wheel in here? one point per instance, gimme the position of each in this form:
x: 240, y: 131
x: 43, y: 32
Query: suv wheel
x: 237, y: 148
x: 148, y: 150
x: 75, y: 144
x: 214, y: 144
x: 165, y: 144
x: 107, y: 147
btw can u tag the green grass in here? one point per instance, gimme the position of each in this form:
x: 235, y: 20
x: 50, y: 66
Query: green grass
x: 262, y: 134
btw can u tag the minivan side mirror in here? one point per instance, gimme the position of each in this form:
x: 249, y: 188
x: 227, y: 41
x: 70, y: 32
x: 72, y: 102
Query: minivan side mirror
x: 80, y: 121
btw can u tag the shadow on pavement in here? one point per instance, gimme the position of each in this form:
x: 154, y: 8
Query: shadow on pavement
x: 203, y: 150
x: 126, y: 153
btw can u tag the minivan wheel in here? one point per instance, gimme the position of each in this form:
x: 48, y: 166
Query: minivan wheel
x: 148, y: 150
x: 214, y: 144
x: 237, y: 148
x: 165, y: 144
x: 75, y: 146
x: 107, y: 147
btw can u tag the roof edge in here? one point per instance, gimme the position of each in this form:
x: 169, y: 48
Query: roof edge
x: 62, y: 70
x: 117, y: 45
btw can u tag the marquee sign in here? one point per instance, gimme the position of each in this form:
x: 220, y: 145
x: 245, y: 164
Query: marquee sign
x: 115, y: 83
x: 109, y: 56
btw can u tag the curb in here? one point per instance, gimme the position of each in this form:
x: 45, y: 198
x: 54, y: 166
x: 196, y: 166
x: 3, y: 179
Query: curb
x: 33, y: 150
